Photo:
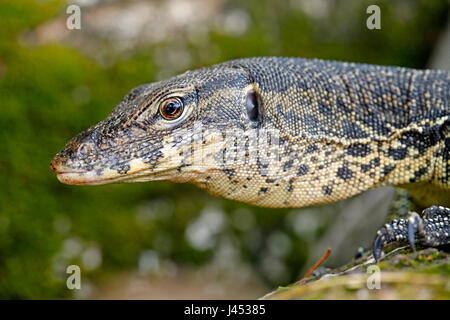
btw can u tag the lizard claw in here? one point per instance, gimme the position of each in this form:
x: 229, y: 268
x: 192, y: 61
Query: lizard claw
x: 394, y: 231
x: 411, y: 236
x: 377, y: 248
x: 431, y: 231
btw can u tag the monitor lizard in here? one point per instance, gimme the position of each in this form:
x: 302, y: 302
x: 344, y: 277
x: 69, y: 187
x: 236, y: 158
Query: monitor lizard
x: 283, y: 132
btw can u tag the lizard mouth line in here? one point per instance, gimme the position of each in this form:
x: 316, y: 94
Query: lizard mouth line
x: 91, y: 178
x: 78, y: 178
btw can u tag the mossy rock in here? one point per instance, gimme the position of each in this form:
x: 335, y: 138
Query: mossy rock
x: 404, y: 274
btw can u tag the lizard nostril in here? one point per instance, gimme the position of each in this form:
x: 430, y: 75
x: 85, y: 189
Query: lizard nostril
x: 84, y: 150
x: 53, y: 165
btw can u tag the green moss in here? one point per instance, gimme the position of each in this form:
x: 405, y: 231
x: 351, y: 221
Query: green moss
x: 426, y: 277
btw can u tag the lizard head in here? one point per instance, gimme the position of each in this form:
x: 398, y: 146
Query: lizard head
x: 170, y: 130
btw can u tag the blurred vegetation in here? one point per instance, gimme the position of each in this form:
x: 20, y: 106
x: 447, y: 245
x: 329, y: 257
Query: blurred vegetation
x: 50, y: 92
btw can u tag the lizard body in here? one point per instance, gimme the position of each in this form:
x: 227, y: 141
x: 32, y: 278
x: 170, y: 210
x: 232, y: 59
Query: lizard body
x: 277, y: 132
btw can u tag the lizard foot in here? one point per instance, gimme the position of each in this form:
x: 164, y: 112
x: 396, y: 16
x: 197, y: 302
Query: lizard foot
x: 430, y: 231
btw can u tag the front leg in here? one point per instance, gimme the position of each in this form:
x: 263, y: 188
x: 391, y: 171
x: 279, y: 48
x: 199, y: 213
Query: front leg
x: 432, y: 230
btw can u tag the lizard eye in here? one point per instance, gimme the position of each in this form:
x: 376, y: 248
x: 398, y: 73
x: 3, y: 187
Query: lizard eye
x: 84, y: 150
x: 171, y: 108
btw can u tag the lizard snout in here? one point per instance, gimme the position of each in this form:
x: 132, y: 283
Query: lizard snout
x: 57, y: 165
x: 54, y: 164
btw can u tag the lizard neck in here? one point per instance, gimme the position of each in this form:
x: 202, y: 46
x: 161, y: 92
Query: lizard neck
x: 349, y: 128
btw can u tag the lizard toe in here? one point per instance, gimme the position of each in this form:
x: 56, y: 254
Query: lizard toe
x: 431, y: 231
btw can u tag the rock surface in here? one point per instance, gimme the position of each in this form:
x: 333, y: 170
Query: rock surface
x: 404, y: 274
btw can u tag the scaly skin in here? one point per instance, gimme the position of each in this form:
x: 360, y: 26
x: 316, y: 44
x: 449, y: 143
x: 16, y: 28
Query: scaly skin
x: 279, y: 132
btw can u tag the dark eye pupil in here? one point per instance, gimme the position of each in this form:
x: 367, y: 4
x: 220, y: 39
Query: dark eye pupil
x: 172, y: 108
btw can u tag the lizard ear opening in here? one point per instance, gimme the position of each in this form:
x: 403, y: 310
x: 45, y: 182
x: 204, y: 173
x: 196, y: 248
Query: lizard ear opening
x: 254, y: 106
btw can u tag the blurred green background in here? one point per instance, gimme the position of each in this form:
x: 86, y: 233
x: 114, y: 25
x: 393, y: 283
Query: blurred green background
x: 149, y: 238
